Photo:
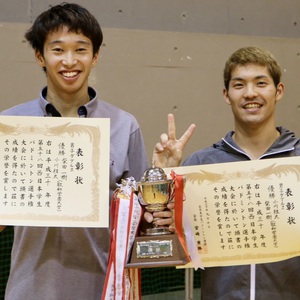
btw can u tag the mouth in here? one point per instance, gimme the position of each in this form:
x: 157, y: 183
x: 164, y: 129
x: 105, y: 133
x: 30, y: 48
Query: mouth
x: 252, y: 105
x: 70, y: 74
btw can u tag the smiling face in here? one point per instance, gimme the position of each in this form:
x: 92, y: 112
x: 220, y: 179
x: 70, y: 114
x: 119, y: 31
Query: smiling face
x: 68, y: 59
x: 252, y: 96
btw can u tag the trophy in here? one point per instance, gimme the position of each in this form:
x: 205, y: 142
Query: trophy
x: 156, y: 246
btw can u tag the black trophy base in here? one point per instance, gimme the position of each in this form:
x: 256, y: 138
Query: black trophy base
x: 157, y: 251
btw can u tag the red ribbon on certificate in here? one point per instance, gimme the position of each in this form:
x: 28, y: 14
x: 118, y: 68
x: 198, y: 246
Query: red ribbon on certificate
x: 123, y: 283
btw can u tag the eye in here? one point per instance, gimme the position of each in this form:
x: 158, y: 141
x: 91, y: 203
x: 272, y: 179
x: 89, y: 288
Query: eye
x: 81, y: 50
x: 261, y: 83
x: 237, y: 85
x: 57, y: 50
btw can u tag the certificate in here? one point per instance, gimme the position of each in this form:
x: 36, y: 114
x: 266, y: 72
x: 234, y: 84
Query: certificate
x: 244, y: 212
x: 54, y: 171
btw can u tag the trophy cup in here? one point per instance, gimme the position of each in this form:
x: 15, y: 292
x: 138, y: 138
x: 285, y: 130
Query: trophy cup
x: 156, y: 246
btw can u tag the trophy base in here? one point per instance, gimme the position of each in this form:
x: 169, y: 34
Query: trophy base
x: 157, y: 251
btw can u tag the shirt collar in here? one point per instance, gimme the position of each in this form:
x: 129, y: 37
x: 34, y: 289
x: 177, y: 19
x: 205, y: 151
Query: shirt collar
x: 83, y: 111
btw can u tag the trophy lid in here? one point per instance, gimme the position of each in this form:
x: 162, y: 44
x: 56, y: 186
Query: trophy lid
x: 154, y: 174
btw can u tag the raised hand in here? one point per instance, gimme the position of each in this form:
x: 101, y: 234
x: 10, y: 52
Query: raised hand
x: 168, y: 152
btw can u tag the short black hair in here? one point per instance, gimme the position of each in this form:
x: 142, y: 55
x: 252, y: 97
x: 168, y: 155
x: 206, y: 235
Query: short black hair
x: 75, y: 17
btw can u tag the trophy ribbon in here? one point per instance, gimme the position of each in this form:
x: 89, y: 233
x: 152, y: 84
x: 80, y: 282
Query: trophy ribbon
x: 125, y: 213
x: 178, y: 194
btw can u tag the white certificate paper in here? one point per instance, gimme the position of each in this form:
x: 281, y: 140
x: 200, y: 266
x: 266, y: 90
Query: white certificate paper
x: 54, y: 171
x: 244, y: 212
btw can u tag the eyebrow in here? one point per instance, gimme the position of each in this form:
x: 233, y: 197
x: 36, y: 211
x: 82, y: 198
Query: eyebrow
x: 257, y: 77
x: 82, y: 42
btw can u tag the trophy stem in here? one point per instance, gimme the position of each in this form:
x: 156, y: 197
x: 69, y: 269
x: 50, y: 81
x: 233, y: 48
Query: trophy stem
x: 157, y: 231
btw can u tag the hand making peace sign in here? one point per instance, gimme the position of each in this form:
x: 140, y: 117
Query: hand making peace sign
x: 168, y: 152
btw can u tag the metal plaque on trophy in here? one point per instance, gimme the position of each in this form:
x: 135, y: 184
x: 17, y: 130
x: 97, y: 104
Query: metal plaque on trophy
x: 156, y: 246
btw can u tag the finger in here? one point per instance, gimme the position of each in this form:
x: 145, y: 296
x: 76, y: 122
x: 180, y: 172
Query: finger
x: 171, y: 127
x: 164, y: 139
x: 187, y: 135
x: 164, y: 222
x: 172, y: 228
x: 171, y: 205
x: 148, y: 217
x: 163, y: 214
x: 158, y: 148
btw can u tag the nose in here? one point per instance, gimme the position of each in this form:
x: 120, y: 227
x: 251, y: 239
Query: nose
x: 69, y: 59
x: 250, y: 91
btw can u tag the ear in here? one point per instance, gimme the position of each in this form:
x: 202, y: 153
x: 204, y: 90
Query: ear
x: 279, y: 91
x: 226, y: 97
x: 95, y: 58
x: 39, y: 59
